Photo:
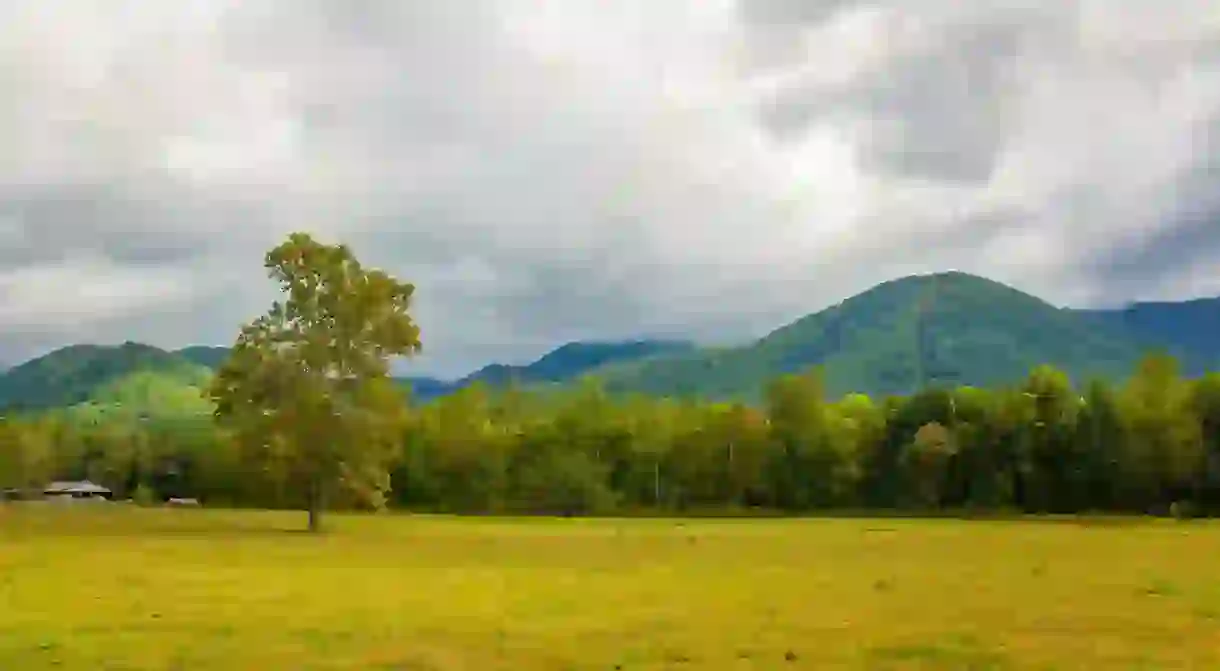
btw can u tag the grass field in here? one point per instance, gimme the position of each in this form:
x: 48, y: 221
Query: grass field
x: 201, y: 590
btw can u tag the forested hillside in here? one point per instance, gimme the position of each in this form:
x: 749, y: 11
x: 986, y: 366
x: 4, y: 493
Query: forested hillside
x: 900, y: 336
x: 203, y: 355
x: 565, y: 364
x: 151, y: 380
x: 104, y: 374
x: 1190, y: 328
x: 949, y: 328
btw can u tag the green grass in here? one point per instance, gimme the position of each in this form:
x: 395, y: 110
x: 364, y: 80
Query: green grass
x: 123, y: 588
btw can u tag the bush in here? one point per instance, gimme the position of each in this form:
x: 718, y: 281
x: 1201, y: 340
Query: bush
x: 562, y: 482
x: 144, y: 496
x: 1182, y: 510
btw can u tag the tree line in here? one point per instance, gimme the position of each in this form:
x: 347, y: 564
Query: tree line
x: 307, y: 418
x: 1040, y: 446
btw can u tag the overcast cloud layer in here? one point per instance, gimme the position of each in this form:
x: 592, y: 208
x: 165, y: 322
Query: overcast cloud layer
x: 550, y: 171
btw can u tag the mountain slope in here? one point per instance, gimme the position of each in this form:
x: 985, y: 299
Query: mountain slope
x: 204, y: 355
x: 575, y: 359
x: 1190, y: 327
x: 948, y: 328
x: 565, y: 363
x: 146, y: 394
x: 79, y: 373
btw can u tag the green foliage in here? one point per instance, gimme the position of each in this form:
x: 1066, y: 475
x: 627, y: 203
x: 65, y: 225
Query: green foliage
x: 26, y: 455
x: 927, y: 458
x: 153, y: 393
x: 1040, y: 446
x: 306, y: 388
x: 811, y: 468
x: 561, y: 482
x: 1165, y: 446
x: 143, y: 495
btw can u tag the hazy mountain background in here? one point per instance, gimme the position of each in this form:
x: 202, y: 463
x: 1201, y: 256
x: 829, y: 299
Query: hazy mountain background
x: 946, y: 328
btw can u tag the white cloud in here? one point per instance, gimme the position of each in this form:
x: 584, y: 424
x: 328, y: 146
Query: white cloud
x: 54, y: 295
x: 553, y: 170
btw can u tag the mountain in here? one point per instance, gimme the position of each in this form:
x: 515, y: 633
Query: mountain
x: 1191, y: 327
x: 946, y: 328
x: 427, y: 388
x: 566, y: 363
x: 131, y: 372
x: 147, y: 394
x: 575, y: 359
x: 204, y: 355
x: 149, y: 380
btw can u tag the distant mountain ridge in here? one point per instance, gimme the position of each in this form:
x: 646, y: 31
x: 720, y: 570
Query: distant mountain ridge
x: 77, y: 373
x: 1192, y: 328
x: 204, y: 355
x: 940, y: 329
x: 148, y: 379
x: 560, y: 365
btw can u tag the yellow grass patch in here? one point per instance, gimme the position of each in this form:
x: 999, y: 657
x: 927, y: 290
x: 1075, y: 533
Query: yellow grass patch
x: 200, y: 590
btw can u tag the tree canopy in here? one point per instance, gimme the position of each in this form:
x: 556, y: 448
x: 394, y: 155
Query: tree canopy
x: 306, y: 388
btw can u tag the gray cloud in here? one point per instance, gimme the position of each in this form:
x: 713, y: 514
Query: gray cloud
x: 553, y: 171
x: 940, y: 105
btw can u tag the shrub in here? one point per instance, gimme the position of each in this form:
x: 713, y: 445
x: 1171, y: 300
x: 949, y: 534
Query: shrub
x: 1182, y: 510
x: 144, y: 496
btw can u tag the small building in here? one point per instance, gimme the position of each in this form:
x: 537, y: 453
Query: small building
x: 76, y: 490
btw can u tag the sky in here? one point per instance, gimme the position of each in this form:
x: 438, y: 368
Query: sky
x: 554, y: 170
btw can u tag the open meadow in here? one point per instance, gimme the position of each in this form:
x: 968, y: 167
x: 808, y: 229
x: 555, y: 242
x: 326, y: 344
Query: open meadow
x: 115, y: 587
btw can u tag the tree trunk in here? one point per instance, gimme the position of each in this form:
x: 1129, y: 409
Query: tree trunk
x: 315, y: 517
x: 656, y: 483
x: 316, y: 504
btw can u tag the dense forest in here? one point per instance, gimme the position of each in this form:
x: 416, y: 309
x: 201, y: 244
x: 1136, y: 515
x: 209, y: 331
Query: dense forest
x: 1039, y: 446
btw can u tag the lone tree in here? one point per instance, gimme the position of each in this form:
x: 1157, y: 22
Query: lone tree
x: 306, y: 389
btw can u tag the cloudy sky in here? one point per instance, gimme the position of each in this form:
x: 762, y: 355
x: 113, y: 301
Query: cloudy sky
x: 554, y: 170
